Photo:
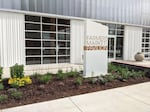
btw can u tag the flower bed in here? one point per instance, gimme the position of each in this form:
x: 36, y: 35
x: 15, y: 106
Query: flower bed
x: 52, y: 86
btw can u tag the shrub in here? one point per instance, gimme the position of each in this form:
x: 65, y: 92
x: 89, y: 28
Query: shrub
x: 16, y: 71
x: 45, y: 78
x: 103, y: 80
x: 3, y: 98
x: 79, y: 81
x: 36, y: 75
x: 1, y: 72
x: 73, y: 73
x: 1, y: 86
x: 60, y: 75
x: 109, y: 78
x: 17, y: 95
x: 19, y: 82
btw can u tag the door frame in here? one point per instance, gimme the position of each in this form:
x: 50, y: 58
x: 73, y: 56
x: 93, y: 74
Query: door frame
x: 114, y: 57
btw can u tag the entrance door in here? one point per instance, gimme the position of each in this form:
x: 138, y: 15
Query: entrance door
x: 111, y: 48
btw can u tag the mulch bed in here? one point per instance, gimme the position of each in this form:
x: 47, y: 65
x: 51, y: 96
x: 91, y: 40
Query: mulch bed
x: 37, y: 92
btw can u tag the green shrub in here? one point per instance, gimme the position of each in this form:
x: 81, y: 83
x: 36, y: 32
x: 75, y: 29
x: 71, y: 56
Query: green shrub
x: 79, y: 81
x: 36, y: 75
x: 139, y: 74
x: 103, y: 80
x: 109, y: 78
x: 73, y: 73
x: 60, y: 75
x: 45, y: 78
x: 16, y: 71
x: 17, y: 95
x: 3, y: 98
x: 1, y: 72
x: 1, y: 86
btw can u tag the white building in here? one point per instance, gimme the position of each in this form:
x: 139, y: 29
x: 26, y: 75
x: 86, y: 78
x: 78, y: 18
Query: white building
x: 47, y: 35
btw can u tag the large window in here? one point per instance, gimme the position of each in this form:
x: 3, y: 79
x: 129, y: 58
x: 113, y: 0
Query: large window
x: 146, y: 43
x: 47, y: 40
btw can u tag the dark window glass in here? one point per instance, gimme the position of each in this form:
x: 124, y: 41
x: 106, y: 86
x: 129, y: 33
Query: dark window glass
x: 62, y: 52
x: 29, y: 26
x: 33, y: 35
x: 147, y: 35
x: 64, y: 59
x: 30, y: 43
x: 143, y: 40
x: 62, y: 44
x: 64, y: 29
x: 143, y: 45
x: 120, y: 27
x: 49, y: 36
x: 33, y: 60
x: 63, y: 37
x: 68, y: 51
x: 68, y: 44
x: 112, y: 26
x: 33, y: 52
x: 49, y: 44
x: 48, y: 20
x: 143, y: 35
x: 119, y: 32
x: 111, y: 32
x: 63, y: 21
x: 32, y: 18
x: 48, y: 27
x: 47, y: 60
x: 49, y: 52
x: 147, y: 40
x: 146, y: 45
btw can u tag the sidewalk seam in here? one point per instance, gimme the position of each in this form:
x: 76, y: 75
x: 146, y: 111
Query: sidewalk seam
x: 134, y: 98
x: 76, y: 105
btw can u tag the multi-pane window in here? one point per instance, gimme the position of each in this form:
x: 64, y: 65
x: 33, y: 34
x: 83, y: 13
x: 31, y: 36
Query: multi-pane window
x: 47, y: 40
x: 146, y: 42
x: 117, y: 31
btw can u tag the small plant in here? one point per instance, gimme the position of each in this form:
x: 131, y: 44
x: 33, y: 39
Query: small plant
x: 45, y: 78
x: 103, y: 80
x: 17, y: 95
x: 16, y: 71
x: 3, y: 98
x: 1, y: 72
x: 19, y: 82
x: 79, y: 81
x: 109, y: 78
x: 73, y: 73
x: 36, y: 75
x: 1, y: 86
x: 60, y: 75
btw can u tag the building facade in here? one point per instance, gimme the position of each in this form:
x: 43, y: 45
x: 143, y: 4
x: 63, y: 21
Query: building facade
x: 48, y: 35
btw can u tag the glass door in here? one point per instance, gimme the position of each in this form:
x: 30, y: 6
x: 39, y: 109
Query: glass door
x: 111, y: 48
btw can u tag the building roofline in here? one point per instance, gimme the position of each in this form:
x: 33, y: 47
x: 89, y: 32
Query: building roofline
x: 68, y: 17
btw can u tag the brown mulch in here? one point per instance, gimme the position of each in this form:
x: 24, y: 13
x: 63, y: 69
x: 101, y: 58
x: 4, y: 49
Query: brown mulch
x: 37, y: 92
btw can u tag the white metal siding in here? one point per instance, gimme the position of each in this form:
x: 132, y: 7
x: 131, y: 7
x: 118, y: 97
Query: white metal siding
x: 11, y: 39
x: 77, y: 41
x: 132, y: 42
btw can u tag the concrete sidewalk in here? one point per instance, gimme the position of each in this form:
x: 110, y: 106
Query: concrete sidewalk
x: 134, y: 98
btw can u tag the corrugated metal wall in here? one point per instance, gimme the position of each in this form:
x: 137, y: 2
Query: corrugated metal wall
x: 126, y: 11
x: 11, y: 39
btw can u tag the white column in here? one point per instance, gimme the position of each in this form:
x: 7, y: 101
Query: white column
x: 132, y: 42
x: 77, y: 41
x: 12, y: 40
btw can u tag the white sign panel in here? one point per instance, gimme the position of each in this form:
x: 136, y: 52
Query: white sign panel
x: 95, y: 49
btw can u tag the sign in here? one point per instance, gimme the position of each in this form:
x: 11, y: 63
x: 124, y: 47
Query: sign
x: 95, y: 49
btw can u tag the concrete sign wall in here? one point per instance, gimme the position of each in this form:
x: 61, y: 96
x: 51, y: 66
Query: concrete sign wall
x: 95, y: 49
